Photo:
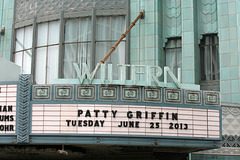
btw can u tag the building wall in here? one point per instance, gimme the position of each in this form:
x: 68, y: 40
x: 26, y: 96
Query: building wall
x: 190, y: 20
x: 185, y: 19
x: 228, y: 23
x: 163, y: 20
x: 6, y: 20
x: 146, y: 36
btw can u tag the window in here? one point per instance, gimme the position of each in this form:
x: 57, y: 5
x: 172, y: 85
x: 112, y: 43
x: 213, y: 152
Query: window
x: 78, y: 35
x: 109, y: 30
x: 209, y: 58
x: 173, y: 55
x: 46, y: 67
x: 78, y: 43
x: 23, y: 49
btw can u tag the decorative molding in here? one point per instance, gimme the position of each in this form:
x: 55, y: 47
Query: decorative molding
x: 173, y: 96
x: 231, y: 110
x: 211, y: 98
x: 85, y: 93
x: 230, y: 141
x: 108, y: 93
x: 230, y: 120
x: 23, y: 108
x: 210, y: 85
x: 131, y: 94
x: 172, y: 18
x: 230, y: 146
x: 42, y: 93
x: 26, y: 10
x: 220, y: 151
x: 63, y: 92
x: 193, y: 97
x: 207, y: 17
x: 229, y: 104
x: 153, y: 95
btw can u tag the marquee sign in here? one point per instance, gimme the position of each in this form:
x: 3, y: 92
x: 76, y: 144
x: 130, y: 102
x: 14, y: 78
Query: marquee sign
x: 68, y: 113
x: 125, y: 120
x: 150, y: 76
x: 8, y: 94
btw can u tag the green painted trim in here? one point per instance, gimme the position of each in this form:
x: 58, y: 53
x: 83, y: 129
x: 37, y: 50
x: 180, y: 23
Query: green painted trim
x: 128, y: 83
x: 93, y: 40
x: 34, y: 36
x: 129, y: 141
x: 61, y: 47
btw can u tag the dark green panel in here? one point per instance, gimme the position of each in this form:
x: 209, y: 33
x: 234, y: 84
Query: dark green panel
x: 214, y: 157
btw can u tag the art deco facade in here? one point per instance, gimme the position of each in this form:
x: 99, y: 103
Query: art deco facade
x: 55, y: 42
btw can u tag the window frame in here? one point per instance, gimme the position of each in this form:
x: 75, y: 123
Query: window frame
x: 175, y: 53
x: 94, y: 40
x: 210, y: 45
x: 77, y: 42
x: 111, y: 42
x: 47, y: 46
x: 22, y: 51
x: 62, y: 16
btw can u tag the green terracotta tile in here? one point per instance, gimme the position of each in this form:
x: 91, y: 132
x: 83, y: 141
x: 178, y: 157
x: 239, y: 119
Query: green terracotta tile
x: 232, y: 20
x: 233, y: 46
x: 225, y: 87
x: 235, y: 86
x: 225, y: 98
x: 225, y: 73
x: 235, y: 72
x: 235, y: 98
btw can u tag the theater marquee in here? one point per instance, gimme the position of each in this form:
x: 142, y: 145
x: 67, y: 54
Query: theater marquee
x: 8, y: 94
x: 125, y: 120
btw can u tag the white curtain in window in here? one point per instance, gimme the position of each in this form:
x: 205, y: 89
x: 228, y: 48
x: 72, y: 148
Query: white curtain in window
x: 19, y: 39
x: 171, y: 62
x: 84, y: 54
x: 42, y: 36
x: 117, y: 57
x: 24, y: 42
x: 46, y: 70
x: 179, y: 58
x: 40, y: 67
x: 27, y: 58
x: 53, y: 34
x: 84, y: 37
x: 52, y: 64
x: 109, y: 30
x: 118, y: 27
x: 18, y: 59
x: 102, y: 49
x: 79, y: 31
x: 71, y: 30
x: 171, y: 59
x: 28, y: 37
x: 69, y: 58
x: 24, y: 38
x: 85, y: 30
x: 103, y: 28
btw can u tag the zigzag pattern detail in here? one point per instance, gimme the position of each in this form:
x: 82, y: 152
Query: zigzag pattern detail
x: 24, y: 98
